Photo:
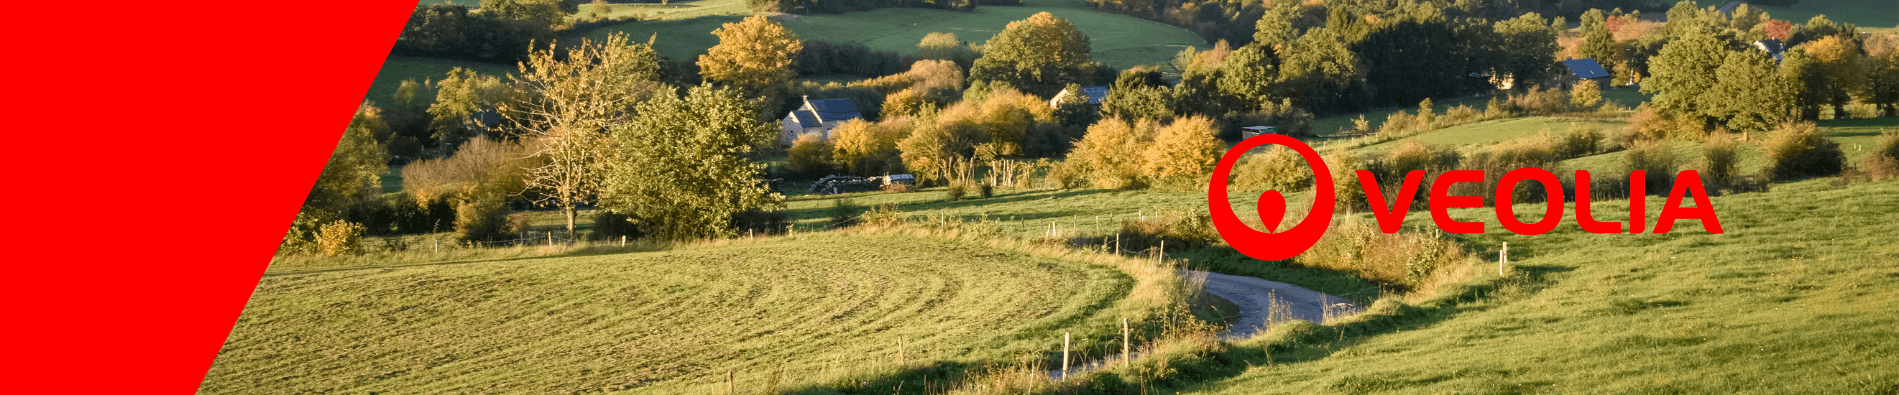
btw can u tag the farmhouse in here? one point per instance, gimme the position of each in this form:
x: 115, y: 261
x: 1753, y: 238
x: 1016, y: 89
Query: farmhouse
x: 1586, y: 69
x: 1773, y: 48
x: 817, y: 117
x: 1094, y: 94
x: 1252, y: 131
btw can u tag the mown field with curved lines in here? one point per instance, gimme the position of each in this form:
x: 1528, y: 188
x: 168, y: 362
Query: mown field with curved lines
x: 810, y: 312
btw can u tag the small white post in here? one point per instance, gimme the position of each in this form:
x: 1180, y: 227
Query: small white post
x: 1127, y: 358
x: 1064, y: 355
x: 622, y: 241
x: 1503, y: 257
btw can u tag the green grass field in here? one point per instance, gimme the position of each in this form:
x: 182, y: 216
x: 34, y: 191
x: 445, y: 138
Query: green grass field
x: 398, y: 68
x: 806, y: 312
x: 1875, y: 15
x: 1118, y: 40
x: 1800, y: 295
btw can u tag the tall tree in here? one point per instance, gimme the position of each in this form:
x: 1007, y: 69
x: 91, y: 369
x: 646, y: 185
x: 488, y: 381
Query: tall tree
x: 353, y: 170
x: 459, y: 97
x: 1748, y: 96
x: 682, y: 167
x: 1528, y: 47
x: 1038, y: 55
x: 753, y: 55
x: 1839, y: 58
x: 573, y: 100
x: 1684, y: 70
x: 1248, y: 74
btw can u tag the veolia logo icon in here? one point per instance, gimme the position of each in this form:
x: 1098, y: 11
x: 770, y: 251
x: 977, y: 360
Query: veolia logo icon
x: 1272, y: 206
x: 1274, y: 244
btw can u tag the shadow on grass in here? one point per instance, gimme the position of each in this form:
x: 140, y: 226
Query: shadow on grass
x: 918, y: 207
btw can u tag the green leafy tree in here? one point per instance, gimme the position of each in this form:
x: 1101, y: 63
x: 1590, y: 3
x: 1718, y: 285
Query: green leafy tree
x: 1528, y: 47
x: 354, y: 169
x: 1138, y: 93
x: 1748, y: 96
x: 574, y: 99
x: 458, y: 98
x: 1683, y: 72
x: 1038, y: 55
x: 1248, y: 75
x: 544, y: 13
x: 1321, y: 73
x: 682, y: 166
x: 945, y: 46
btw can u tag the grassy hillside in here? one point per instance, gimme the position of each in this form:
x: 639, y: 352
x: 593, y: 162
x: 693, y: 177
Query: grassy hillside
x: 1120, y: 41
x: 1878, y: 15
x: 1799, y: 296
x: 785, y: 313
x: 398, y: 68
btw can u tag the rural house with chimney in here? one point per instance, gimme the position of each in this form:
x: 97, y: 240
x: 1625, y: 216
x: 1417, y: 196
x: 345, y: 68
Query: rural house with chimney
x: 817, y: 117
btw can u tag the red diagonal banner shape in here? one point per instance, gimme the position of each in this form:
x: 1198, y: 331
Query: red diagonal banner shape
x: 159, y: 150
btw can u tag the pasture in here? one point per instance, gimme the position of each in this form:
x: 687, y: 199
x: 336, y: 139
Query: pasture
x: 1873, y: 15
x: 1120, y: 41
x: 1798, y: 296
x: 814, y: 312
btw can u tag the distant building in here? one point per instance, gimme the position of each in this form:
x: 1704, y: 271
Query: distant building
x: 1094, y: 93
x: 1773, y: 48
x: 1586, y: 70
x: 817, y: 117
x: 1252, y: 131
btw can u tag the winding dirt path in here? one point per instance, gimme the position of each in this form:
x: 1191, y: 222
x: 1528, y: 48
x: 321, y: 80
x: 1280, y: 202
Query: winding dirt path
x: 1260, y: 301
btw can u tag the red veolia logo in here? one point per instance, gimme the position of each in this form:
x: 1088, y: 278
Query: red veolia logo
x: 1275, y: 244
x: 1272, y: 206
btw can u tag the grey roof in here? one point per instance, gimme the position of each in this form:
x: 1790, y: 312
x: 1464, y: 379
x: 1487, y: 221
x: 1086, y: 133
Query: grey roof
x: 829, y: 111
x: 1586, y: 68
x: 805, y: 118
x: 1095, y: 93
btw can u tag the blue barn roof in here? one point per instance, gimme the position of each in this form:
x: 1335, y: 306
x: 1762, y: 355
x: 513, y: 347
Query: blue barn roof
x: 1586, y: 68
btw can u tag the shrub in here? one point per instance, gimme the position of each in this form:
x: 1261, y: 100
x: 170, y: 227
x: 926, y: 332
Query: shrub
x: 1110, y: 153
x: 483, y: 218
x: 1405, y: 261
x: 1537, y: 101
x: 899, y: 188
x: 478, y: 166
x: 1539, y: 151
x: 1344, y: 168
x: 1459, y: 115
x: 608, y: 225
x: 843, y: 214
x: 810, y: 155
x: 1883, y: 162
x: 1796, y: 150
x: 956, y: 191
x: 1585, y: 96
x: 986, y: 190
x: 339, y: 238
x: 1278, y: 169
x: 1579, y: 143
x: 1185, y: 149
x: 1721, y: 164
x: 1658, y: 163
x: 1067, y: 175
x: 1180, y: 232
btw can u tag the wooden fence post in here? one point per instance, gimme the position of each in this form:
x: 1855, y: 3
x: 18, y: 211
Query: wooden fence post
x: 623, y: 241
x: 1064, y: 355
x: 730, y: 388
x: 1503, y: 257
x: 1127, y: 358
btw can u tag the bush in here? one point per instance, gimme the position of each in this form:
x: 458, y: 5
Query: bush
x: 843, y: 214
x: 1404, y: 261
x: 483, y: 218
x: 339, y: 238
x: 608, y: 225
x: 1720, y: 161
x: 1579, y: 143
x: 1067, y: 175
x: 1796, y: 150
x: 1111, y: 152
x: 1180, y: 232
x: 956, y: 191
x: 1585, y: 96
x: 1883, y: 162
x: 810, y: 156
x: 986, y: 190
x: 899, y: 188
x: 1658, y: 163
x: 1278, y: 169
x: 1186, y: 149
x: 1537, y: 101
